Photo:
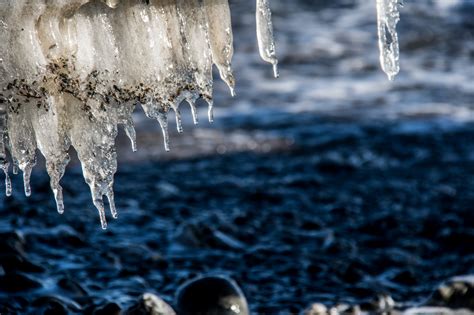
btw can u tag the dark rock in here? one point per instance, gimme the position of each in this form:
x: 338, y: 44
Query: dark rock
x: 13, y: 305
x: 108, y: 309
x: 133, y: 258
x: 53, y: 305
x: 456, y: 293
x: 200, y: 235
x: 16, y: 282
x: 72, y: 287
x: 55, y: 308
x: 150, y: 304
x: 12, y: 262
x: 211, y: 295
x: 406, y: 277
x: 12, y: 243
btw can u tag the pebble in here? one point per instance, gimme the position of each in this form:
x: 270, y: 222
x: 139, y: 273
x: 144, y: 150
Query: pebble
x: 200, y: 235
x: 17, y: 282
x: 455, y: 293
x: 54, y: 305
x: 211, y: 295
x: 108, y: 309
x: 150, y: 304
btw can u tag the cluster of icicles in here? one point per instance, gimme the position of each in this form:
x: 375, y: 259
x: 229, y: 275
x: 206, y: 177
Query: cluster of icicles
x: 72, y: 71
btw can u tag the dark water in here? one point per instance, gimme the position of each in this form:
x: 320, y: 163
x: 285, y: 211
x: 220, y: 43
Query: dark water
x: 329, y: 185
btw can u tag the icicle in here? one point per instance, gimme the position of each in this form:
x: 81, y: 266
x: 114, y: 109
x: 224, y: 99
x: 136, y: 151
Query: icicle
x: 22, y: 140
x: 58, y: 197
x: 4, y: 165
x: 27, y: 169
x: 221, y: 38
x: 96, y: 147
x: 131, y: 134
x: 56, y: 168
x: 162, y: 118
x: 265, y: 38
x: 388, y: 16
x: 48, y: 121
x: 71, y: 71
x: 99, y: 204
x: 195, y: 41
x: 192, y: 103
x: 179, y: 122
x: 111, y: 199
x: 15, y: 168
x: 8, y: 183
x: 210, y: 110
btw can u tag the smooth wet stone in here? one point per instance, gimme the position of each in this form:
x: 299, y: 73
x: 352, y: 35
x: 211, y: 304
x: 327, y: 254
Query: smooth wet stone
x: 16, y: 282
x: 211, y: 295
x: 456, y: 293
x: 150, y: 304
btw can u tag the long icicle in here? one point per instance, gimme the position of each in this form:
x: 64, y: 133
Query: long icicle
x: 4, y: 165
x: 388, y: 16
x: 266, y: 42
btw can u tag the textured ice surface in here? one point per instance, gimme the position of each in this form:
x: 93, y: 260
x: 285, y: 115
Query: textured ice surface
x: 73, y: 71
x: 388, y: 16
x: 266, y: 44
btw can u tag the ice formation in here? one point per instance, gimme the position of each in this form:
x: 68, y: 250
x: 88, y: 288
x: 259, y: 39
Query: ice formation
x: 73, y: 71
x: 388, y: 16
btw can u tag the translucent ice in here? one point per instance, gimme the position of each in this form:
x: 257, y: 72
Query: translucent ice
x: 388, y: 16
x: 73, y: 71
x: 266, y: 43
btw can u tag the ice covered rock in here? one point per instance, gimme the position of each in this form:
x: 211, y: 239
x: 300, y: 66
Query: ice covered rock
x: 72, y: 72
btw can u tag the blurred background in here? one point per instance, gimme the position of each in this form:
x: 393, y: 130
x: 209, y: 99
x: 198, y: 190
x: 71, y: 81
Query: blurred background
x: 328, y: 185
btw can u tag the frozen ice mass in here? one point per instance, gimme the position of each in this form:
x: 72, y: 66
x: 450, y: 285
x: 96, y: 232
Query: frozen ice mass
x: 73, y: 71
